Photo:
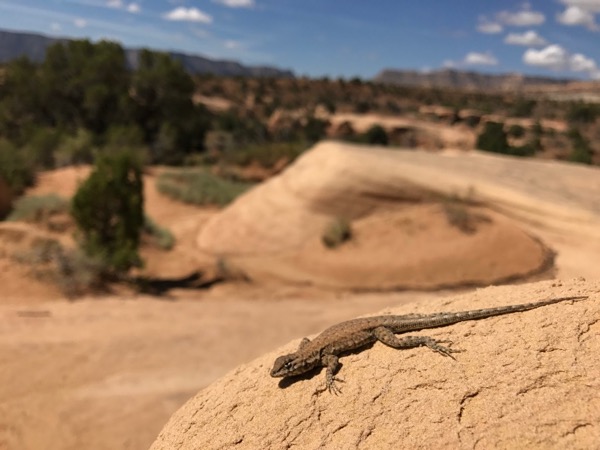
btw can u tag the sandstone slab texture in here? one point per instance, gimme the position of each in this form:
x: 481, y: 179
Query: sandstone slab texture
x: 525, y: 380
x: 451, y: 217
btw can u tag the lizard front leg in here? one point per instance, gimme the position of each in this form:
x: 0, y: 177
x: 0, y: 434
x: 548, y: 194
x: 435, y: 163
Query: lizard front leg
x: 331, y: 362
x: 386, y: 336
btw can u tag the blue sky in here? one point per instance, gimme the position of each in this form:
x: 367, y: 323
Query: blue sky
x: 339, y: 37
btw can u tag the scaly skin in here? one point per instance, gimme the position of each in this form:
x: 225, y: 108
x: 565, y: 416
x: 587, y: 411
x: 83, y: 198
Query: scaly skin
x: 355, y: 334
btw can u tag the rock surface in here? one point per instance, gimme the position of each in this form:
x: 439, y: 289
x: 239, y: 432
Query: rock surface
x: 524, y: 380
x: 275, y: 231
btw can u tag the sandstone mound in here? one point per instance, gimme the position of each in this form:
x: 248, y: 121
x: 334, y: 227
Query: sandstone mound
x: 405, y: 234
x: 524, y: 380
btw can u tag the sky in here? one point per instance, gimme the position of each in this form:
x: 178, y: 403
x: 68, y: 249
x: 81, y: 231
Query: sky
x: 339, y: 38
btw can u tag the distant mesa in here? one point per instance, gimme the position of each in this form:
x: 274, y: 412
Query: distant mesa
x: 451, y: 78
x: 16, y: 44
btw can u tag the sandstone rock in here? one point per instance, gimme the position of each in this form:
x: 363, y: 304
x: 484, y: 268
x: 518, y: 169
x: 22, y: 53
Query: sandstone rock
x: 524, y: 380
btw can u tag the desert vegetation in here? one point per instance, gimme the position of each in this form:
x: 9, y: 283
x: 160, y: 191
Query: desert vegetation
x: 84, y: 104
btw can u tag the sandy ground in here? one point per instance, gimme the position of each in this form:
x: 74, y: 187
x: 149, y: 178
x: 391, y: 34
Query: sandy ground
x: 107, y: 373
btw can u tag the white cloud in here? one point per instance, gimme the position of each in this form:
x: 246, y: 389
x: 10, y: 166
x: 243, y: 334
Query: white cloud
x: 552, y: 57
x: 449, y: 64
x: 55, y: 26
x: 529, y: 38
x: 236, y: 3
x: 472, y: 59
x: 575, y: 15
x: 489, y: 27
x: 182, y: 13
x: 555, y: 57
x: 480, y: 59
x: 581, y: 63
x: 522, y: 18
x: 588, y: 5
x: 232, y: 45
x: 80, y: 23
x: 118, y: 4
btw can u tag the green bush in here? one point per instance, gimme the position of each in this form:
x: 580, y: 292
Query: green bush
x: 36, y: 208
x: 583, y: 113
x: 199, y: 187
x: 74, y: 272
x: 41, y: 146
x: 516, y: 131
x: 581, y: 151
x: 336, y: 233
x: 493, y: 138
x: 266, y: 154
x: 376, y: 135
x: 78, y: 148
x: 108, y: 209
x: 14, y: 168
x: 523, y: 107
x: 162, y: 236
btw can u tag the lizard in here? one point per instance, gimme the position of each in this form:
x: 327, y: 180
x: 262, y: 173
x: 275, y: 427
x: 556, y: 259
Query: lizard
x: 357, y: 334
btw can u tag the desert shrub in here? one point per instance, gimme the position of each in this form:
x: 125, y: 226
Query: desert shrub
x: 493, y: 138
x: 581, y: 113
x: 362, y: 107
x: 315, y: 129
x: 78, y: 148
x: 460, y: 216
x: 376, y: 135
x: 523, y: 107
x: 14, y: 168
x: 108, y: 210
x: 74, y: 272
x: 581, y: 151
x: 516, y: 131
x: 162, y: 236
x: 199, y: 187
x: 41, y: 146
x: 527, y: 149
x: 336, y: 233
x: 267, y: 154
x: 78, y: 273
x: 38, y: 208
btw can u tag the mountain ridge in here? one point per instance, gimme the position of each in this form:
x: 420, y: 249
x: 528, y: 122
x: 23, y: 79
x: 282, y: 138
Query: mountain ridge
x: 14, y: 44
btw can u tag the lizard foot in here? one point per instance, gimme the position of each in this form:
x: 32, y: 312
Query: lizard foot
x: 333, y: 388
x: 434, y: 345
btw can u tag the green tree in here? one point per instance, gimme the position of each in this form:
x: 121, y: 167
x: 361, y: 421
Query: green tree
x: 20, y: 107
x: 108, y: 210
x: 15, y: 170
x: 581, y: 113
x: 85, y: 85
x: 581, y: 151
x: 493, y: 138
x: 376, y: 135
x: 162, y: 100
x: 523, y: 107
x: 516, y: 131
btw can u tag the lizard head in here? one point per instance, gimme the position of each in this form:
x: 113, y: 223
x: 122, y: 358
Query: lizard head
x: 291, y: 364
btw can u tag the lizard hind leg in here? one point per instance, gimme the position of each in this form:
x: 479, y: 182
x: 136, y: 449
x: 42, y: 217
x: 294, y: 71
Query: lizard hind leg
x: 385, y: 336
